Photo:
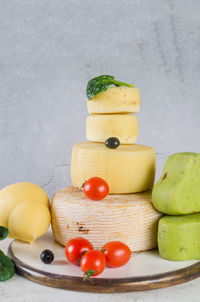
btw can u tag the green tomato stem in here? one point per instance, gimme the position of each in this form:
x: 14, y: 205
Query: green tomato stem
x: 123, y: 84
x: 88, y: 274
x: 78, y: 261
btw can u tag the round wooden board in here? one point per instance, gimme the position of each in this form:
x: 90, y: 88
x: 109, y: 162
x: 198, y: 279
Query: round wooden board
x: 145, y: 270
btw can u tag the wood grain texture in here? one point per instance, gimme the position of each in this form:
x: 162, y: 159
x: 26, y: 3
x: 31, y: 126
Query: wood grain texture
x: 105, y: 285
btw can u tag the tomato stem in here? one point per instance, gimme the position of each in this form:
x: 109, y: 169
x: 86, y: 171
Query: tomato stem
x: 88, y: 274
x: 83, y: 184
x: 78, y: 261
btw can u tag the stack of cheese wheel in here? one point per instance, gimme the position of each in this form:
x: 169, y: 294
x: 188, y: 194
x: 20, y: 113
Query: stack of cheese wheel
x: 126, y: 214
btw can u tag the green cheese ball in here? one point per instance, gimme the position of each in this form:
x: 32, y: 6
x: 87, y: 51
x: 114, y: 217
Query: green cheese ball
x: 179, y: 237
x: 177, y: 192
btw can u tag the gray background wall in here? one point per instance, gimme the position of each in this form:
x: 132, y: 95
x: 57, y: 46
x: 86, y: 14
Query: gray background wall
x: 49, y: 50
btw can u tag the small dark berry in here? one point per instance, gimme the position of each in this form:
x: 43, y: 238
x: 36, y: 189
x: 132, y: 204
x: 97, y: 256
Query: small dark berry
x: 112, y: 142
x: 47, y: 256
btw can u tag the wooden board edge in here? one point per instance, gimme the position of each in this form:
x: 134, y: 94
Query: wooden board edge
x: 105, y: 285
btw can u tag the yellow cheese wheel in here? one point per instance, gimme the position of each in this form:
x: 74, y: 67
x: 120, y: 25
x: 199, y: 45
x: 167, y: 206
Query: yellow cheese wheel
x: 130, y: 218
x: 123, y: 126
x: 115, y: 100
x: 17, y: 193
x: 127, y: 169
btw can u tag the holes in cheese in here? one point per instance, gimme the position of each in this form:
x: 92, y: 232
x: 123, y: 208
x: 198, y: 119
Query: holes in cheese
x: 127, y: 169
x: 115, y: 100
x: 130, y: 218
x: 122, y: 126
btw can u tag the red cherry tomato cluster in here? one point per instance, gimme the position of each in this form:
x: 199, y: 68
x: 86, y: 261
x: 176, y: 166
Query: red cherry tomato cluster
x: 96, y: 188
x: 79, y: 251
x: 76, y: 248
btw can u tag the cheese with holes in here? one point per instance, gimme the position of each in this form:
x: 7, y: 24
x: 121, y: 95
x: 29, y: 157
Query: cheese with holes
x: 130, y: 218
x: 123, y: 126
x: 115, y: 100
x: 127, y: 169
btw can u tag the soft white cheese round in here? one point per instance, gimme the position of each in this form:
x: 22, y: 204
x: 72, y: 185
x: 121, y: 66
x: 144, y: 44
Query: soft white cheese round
x: 130, y: 218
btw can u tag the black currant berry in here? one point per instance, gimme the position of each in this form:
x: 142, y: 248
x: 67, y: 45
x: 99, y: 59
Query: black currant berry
x: 112, y: 142
x: 47, y: 256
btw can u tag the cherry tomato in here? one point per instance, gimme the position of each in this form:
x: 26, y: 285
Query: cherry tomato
x: 117, y: 253
x: 75, y: 248
x: 96, y: 188
x: 93, y: 263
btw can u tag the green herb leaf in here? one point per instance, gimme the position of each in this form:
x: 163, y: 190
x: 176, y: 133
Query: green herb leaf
x: 101, y: 83
x: 3, y: 233
x: 7, y: 268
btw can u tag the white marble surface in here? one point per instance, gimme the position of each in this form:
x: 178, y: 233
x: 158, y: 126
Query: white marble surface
x: 48, y: 51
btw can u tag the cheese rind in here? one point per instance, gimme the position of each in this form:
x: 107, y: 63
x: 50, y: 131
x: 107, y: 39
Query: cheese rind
x: 115, y: 100
x: 127, y: 169
x: 129, y: 218
x: 123, y: 126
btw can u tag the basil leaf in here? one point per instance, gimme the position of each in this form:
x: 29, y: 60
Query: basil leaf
x: 7, y: 268
x: 101, y: 83
x: 98, y: 84
x: 3, y: 233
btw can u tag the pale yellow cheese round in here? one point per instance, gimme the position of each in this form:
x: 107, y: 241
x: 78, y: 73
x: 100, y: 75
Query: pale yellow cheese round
x: 127, y: 169
x: 29, y: 221
x: 123, y: 126
x: 17, y: 193
x: 115, y: 100
x: 130, y: 218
